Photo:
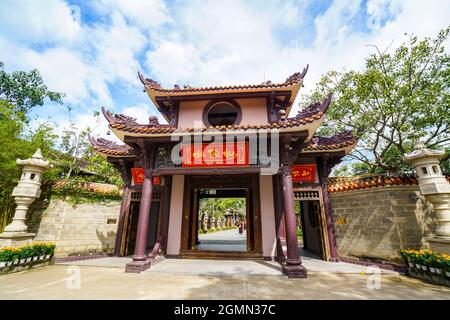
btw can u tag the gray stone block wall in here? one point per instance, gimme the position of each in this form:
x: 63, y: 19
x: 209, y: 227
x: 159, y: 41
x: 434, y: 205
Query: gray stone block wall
x: 76, y: 229
x: 376, y: 223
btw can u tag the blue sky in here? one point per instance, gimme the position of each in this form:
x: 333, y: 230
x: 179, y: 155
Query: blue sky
x: 92, y: 50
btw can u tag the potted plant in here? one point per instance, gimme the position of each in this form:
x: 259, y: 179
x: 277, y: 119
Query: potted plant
x: 28, y: 252
x: 35, y: 249
x: 15, y: 255
x: 418, y: 260
x: 426, y: 259
x: 446, y: 264
x: 49, y: 249
x: 432, y: 262
x: 41, y: 251
x: 23, y: 254
x: 408, y: 256
x: 4, y: 257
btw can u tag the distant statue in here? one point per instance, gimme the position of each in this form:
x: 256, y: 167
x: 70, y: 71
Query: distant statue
x: 205, y: 223
x: 212, y: 223
x: 217, y: 222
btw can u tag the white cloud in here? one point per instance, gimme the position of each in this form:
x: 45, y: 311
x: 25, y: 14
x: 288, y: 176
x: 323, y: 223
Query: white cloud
x: 143, y: 13
x: 233, y: 43
x: 115, y: 47
x: 63, y: 71
x: 200, y: 42
x: 33, y: 21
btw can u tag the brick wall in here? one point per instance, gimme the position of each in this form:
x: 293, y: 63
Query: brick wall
x: 377, y: 222
x: 76, y: 229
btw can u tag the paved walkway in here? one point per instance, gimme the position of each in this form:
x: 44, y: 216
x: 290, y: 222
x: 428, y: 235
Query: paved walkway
x: 225, y: 235
x: 226, y: 240
x: 228, y: 267
x: 87, y: 282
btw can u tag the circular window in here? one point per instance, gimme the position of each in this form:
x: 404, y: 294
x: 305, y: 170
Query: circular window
x: 222, y: 114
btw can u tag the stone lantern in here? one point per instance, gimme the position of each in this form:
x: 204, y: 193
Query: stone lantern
x: 436, y: 189
x: 25, y: 193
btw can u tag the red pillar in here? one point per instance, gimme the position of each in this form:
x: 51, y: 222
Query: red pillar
x: 279, y: 217
x: 144, y: 219
x: 327, y: 206
x: 140, y: 261
x: 123, y: 209
x: 293, y: 265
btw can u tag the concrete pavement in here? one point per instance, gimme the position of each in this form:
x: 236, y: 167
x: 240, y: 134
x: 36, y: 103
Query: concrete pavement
x: 89, y: 282
x: 228, y: 267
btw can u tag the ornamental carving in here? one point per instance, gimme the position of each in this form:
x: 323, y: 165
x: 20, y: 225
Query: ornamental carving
x: 294, y: 78
x: 111, y: 145
x: 340, y: 138
x: 152, y: 83
x: 123, y: 119
x: 315, y: 108
x: 153, y: 121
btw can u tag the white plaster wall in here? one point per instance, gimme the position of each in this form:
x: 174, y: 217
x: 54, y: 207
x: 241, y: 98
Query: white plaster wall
x: 176, y: 211
x: 267, y: 216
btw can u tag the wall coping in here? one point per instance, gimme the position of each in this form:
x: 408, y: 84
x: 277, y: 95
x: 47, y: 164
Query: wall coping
x: 343, y: 184
x: 377, y: 189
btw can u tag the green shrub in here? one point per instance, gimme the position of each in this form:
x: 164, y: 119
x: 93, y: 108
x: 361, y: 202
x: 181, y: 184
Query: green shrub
x: 27, y: 251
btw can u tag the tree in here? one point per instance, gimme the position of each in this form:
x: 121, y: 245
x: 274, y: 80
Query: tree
x: 397, y: 98
x: 19, y: 92
x: 16, y: 141
x: 25, y: 90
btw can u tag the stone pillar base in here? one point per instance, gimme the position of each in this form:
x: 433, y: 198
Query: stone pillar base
x: 8, y: 239
x: 439, y: 245
x: 334, y: 259
x: 294, y: 271
x: 137, y: 266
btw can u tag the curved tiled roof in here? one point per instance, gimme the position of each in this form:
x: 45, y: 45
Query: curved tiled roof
x: 292, y: 80
x: 341, y: 141
x: 110, y: 148
x: 124, y: 123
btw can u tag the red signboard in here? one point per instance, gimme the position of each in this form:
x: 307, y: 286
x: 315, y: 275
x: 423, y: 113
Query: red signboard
x: 215, y: 154
x: 303, y: 173
x: 138, y: 176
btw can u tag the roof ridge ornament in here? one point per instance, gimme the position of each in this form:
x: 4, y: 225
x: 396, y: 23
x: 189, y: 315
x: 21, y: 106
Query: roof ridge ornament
x: 315, y: 108
x: 296, y: 77
x: 149, y: 82
x: 153, y: 121
x: 342, y: 137
x: 291, y: 80
x: 102, y: 143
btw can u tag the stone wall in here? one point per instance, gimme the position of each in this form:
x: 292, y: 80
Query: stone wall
x: 375, y: 223
x: 76, y: 229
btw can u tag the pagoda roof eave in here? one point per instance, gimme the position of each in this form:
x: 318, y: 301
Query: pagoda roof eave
x: 292, y: 84
x: 342, y: 142
x: 309, y: 119
x: 107, y: 148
